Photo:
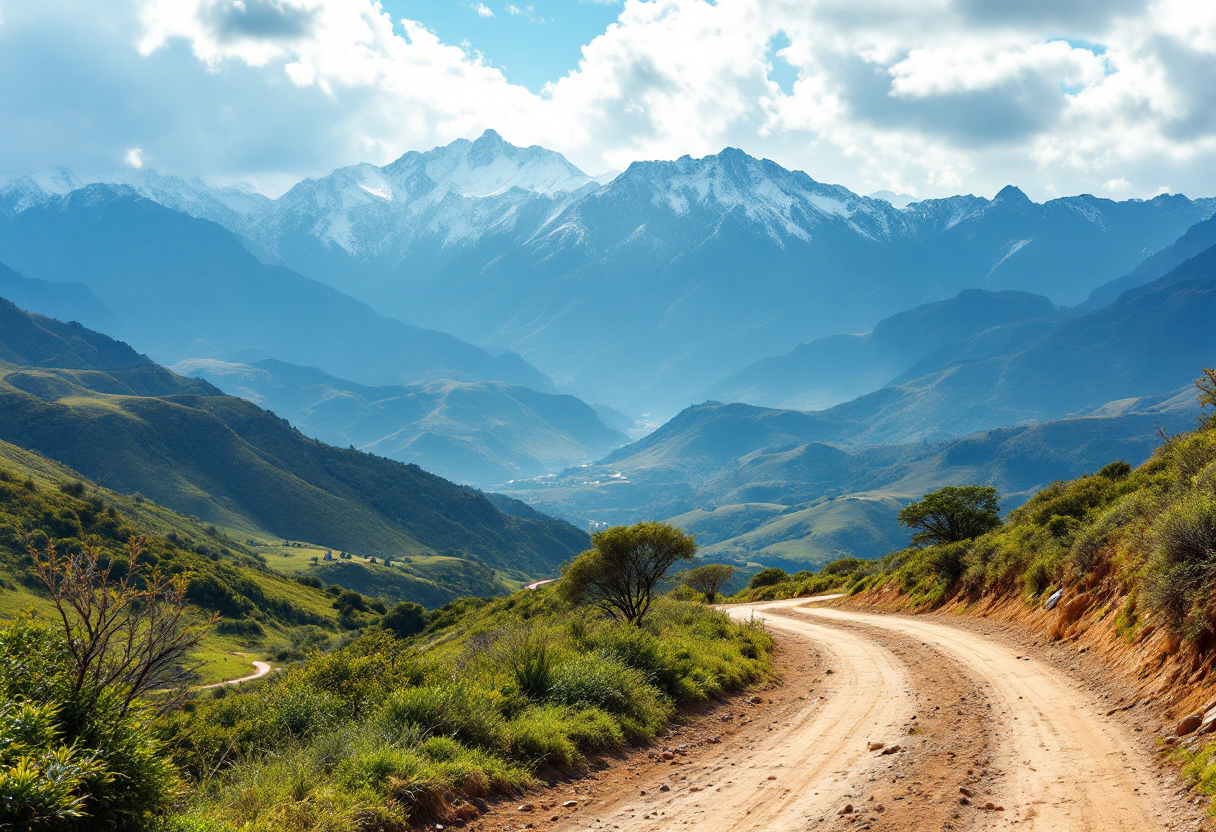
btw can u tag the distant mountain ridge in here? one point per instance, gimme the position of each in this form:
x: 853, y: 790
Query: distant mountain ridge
x: 180, y: 287
x: 831, y: 370
x: 772, y: 486
x: 680, y: 272
x: 479, y: 432
x: 1016, y: 405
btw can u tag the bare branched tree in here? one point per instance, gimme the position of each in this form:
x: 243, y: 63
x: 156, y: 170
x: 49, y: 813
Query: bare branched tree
x: 128, y: 631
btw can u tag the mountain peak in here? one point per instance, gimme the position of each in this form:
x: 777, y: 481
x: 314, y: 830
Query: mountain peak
x: 1012, y: 194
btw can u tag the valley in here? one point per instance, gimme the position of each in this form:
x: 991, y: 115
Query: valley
x: 478, y: 491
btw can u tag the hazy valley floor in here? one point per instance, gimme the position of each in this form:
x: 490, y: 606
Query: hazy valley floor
x: 992, y: 735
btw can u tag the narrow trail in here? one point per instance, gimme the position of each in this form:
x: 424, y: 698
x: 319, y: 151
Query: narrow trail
x: 260, y: 670
x: 1002, y: 731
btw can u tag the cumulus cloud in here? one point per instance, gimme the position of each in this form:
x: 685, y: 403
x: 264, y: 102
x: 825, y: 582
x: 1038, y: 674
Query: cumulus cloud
x: 1059, y: 96
x: 134, y: 158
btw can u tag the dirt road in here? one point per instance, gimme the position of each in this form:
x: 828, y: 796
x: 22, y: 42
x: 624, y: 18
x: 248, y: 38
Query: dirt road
x: 260, y: 669
x: 1009, y: 745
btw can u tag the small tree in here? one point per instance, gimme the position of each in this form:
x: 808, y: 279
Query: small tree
x: 625, y: 564
x: 768, y: 576
x: 1207, y: 393
x: 953, y: 513
x: 708, y: 579
x: 405, y: 619
x: 127, y: 633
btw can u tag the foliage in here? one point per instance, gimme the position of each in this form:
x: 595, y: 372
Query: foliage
x: 72, y: 758
x: 708, y: 579
x: 767, y: 577
x: 1207, y: 388
x: 388, y: 732
x: 625, y: 564
x: 1143, y: 538
x: 836, y: 576
x: 952, y: 514
x: 405, y: 619
x: 125, y: 632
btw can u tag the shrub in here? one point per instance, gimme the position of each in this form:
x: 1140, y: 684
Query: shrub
x: 599, y: 680
x: 405, y: 619
x: 72, y: 759
x: 768, y: 576
x: 464, y: 712
x: 1182, y: 569
x: 532, y: 665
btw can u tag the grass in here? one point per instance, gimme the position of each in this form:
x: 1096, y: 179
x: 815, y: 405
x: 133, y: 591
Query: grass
x: 384, y: 733
x: 1198, y: 767
x: 812, y: 536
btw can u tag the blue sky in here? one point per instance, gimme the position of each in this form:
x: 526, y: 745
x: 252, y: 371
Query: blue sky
x: 533, y: 43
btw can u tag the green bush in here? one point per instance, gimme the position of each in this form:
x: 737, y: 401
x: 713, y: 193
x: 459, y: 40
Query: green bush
x: 1182, y: 570
x: 769, y: 576
x: 382, y: 732
x: 71, y: 761
x: 461, y: 711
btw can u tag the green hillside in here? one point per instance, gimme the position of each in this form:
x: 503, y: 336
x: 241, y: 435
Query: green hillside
x: 797, y: 537
x: 97, y: 406
x: 1135, y: 548
x: 260, y: 610
x: 756, y: 484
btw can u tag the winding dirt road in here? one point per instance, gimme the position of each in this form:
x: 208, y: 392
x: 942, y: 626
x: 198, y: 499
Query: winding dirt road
x: 260, y: 669
x: 1010, y: 744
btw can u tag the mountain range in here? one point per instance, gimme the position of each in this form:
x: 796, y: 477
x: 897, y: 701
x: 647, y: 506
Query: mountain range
x: 180, y: 287
x: 479, y: 432
x: 94, y: 404
x: 1016, y: 405
x: 645, y: 290
x: 836, y: 369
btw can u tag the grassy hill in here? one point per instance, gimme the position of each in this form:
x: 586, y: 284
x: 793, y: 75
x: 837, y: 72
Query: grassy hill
x: 261, y: 611
x: 94, y: 404
x: 757, y: 484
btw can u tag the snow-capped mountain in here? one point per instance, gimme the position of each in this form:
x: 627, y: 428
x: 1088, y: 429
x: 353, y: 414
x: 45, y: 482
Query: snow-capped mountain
x: 232, y: 207
x: 642, y: 289
x: 353, y: 225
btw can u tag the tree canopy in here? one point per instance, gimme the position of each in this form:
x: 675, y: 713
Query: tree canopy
x: 953, y: 513
x: 768, y: 576
x: 405, y: 619
x: 708, y: 579
x: 625, y: 564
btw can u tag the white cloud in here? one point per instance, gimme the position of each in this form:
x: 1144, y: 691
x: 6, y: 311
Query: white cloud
x: 484, y: 11
x: 134, y: 158
x: 930, y: 98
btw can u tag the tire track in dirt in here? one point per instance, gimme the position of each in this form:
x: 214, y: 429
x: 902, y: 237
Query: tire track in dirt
x: 795, y: 776
x: 1066, y: 768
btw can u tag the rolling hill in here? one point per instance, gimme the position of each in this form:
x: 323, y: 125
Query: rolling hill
x: 770, y: 486
x: 478, y: 432
x: 96, y: 405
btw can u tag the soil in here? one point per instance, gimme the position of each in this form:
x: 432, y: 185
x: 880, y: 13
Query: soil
x: 996, y: 728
